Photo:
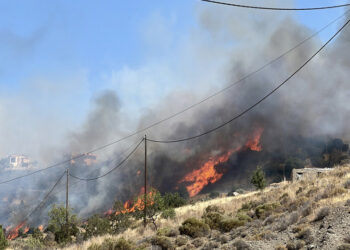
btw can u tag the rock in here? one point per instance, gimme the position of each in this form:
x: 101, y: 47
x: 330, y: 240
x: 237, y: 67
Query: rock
x: 330, y: 231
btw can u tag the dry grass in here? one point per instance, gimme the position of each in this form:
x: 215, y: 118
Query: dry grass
x: 327, y: 189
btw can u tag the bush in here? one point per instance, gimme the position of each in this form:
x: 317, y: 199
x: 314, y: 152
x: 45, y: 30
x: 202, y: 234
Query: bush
x: 264, y: 210
x: 241, y: 245
x: 322, y: 213
x: 3, y: 241
x: 110, y: 244
x: 168, y: 213
x: 57, y: 223
x: 228, y: 224
x: 194, y: 228
x: 173, y: 200
x: 181, y: 240
x: 295, y: 245
x: 163, y: 242
x: 215, y: 209
x: 213, y: 219
x: 168, y: 232
x: 304, y: 234
x: 97, y: 226
x: 258, y: 178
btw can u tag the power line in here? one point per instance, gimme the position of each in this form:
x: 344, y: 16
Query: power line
x: 110, y: 171
x: 46, y: 196
x: 181, y: 111
x: 276, y: 8
x: 257, y: 103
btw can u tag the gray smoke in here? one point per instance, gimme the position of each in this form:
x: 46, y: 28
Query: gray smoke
x: 313, y: 103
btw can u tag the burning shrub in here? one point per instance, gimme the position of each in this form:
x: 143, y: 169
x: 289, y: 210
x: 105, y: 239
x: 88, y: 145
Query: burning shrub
x: 3, y: 241
x: 97, y: 226
x: 194, y: 228
x: 258, y: 178
x: 120, y: 220
x: 155, y: 205
x: 58, y: 224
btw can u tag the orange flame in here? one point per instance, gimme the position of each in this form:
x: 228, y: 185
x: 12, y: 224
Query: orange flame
x: 254, y: 143
x: 41, y: 228
x: 13, y: 234
x: 207, y: 173
x: 139, y: 204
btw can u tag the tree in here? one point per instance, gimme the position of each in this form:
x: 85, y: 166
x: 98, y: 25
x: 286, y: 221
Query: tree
x: 155, y: 206
x: 58, y: 225
x: 3, y: 241
x: 258, y: 178
x: 173, y: 200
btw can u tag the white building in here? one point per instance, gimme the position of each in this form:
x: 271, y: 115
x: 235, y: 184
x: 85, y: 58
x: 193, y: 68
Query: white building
x: 18, y: 162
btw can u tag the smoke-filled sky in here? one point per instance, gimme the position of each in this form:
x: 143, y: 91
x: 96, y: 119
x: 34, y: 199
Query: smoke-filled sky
x: 58, y: 56
x: 77, y: 75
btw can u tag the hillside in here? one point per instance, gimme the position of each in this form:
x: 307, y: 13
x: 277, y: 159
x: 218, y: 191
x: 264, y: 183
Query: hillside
x: 309, y: 214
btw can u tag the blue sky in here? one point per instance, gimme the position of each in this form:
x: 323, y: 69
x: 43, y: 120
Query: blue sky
x: 56, y: 55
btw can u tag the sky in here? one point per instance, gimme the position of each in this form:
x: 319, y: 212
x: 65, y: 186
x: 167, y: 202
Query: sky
x: 56, y: 56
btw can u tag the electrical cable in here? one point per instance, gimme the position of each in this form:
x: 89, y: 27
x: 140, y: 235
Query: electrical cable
x: 110, y: 171
x: 257, y: 103
x: 179, y: 112
x: 278, y: 8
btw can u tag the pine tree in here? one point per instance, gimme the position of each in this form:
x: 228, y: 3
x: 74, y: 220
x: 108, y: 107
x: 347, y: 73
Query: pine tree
x: 258, y: 178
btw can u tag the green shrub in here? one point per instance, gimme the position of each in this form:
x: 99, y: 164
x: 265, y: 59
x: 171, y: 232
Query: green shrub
x: 213, y: 219
x: 168, y: 232
x: 110, y: 244
x: 163, y: 242
x: 168, y: 213
x: 173, y: 200
x: 194, y: 228
x: 57, y: 223
x: 228, y: 224
x: 258, y: 178
x: 215, y: 209
x: 97, y: 226
x: 264, y: 210
x: 243, y: 217
x: 3, y: 241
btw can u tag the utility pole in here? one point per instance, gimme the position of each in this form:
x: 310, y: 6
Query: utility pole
x: 67, y: 172
x: 145, y: 187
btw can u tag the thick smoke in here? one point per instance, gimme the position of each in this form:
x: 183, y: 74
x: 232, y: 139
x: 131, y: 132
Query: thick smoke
x: 313, y: 103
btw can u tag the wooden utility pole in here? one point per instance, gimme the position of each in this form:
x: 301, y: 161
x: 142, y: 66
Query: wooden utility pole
x: 145, y: 187
x: 67, y: 172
